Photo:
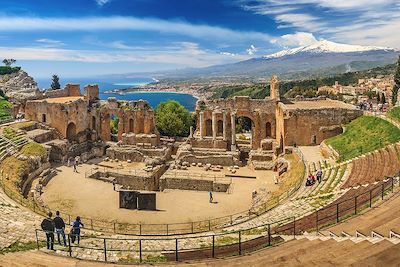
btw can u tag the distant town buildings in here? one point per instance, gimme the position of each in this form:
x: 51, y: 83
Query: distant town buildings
x: 380, y: 84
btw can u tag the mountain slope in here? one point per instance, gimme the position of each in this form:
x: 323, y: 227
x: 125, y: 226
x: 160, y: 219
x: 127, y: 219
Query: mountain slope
x: 323, y: 58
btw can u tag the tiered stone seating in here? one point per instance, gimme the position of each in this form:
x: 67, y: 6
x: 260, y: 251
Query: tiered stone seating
x: 17, y: 137
x: 374, y: 166
x: 381, y: 221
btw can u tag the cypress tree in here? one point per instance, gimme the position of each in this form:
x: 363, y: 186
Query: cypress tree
x: 55, y: 84
x: 396, y: 86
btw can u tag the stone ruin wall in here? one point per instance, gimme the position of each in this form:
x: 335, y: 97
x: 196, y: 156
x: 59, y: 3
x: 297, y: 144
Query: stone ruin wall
x: 304, y: 126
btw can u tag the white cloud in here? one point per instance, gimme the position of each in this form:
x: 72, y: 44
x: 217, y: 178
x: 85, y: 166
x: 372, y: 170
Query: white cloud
x: 25, y: 24
x: 49, y: 42
x: 184, y: 54
x: 351, y: 21
x: 102, y: 2
x: 228, y: 54
x: 251, y: 50
x: 295, y: 39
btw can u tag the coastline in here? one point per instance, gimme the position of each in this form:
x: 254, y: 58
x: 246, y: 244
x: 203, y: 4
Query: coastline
x: 139, y: 90
x: 172, y: 92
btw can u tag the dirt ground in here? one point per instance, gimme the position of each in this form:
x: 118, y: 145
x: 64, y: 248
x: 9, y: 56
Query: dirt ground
x: 73, y: 193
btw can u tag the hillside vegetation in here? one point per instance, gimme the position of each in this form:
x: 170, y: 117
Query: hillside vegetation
x: 307, y: 88
x: 5, y: 107
x: 8, y: 70
x: 394, y: 114
x: 363, y: 135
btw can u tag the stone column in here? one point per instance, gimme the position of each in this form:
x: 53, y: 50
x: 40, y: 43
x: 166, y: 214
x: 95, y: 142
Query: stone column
x: 224, y: 125
x: 233, y: 124
x: 191, y: 132
x: 201, y: 124
x: 214, y: 126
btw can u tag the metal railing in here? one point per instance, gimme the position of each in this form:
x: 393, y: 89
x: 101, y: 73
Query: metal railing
x: 150, y: 250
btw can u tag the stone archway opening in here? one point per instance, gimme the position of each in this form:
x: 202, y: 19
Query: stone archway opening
x: 268, y: 131
x: 220, y: 128
x: 209, y: 127
x: 244, y: 136
x: 131, y: 126
x: 71, y: 131
x: 114, y: 121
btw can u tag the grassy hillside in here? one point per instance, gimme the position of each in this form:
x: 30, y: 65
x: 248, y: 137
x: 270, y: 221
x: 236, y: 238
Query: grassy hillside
x: 4, y: 108
x: 394, y: 113
x: 363, y: 135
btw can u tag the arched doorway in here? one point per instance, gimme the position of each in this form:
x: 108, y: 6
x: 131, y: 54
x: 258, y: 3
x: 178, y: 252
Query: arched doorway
x: 71, y: 131
x: 131, y: 129
x: 220, y: 127
x: 208, y: 127
x: 268, y: 130
x: 244, y: 136
x: 114, y: 121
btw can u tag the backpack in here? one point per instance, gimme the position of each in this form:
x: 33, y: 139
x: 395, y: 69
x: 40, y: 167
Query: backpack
x: 46, y: 225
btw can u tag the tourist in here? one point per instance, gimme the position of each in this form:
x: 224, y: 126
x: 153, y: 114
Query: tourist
x: 211, y: 197
x: 74, y: 163
x: 76, y: 229
x: 48, y: 227
x: 77, y: 160
x: 319, y: 176
x: 114, y: 181
x: 60, y: 228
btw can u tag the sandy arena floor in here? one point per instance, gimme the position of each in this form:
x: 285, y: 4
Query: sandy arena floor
x: 73, y: 193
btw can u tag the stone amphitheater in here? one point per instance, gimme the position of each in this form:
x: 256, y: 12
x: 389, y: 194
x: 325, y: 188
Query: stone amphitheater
x: 349, y: 218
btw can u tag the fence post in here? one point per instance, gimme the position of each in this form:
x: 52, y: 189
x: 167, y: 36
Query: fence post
x: 269, y: 235
x: 383, y: 190
x: 209, y: 225
x: 294, y: 227
x: 105, y: 250
x: 337, y: 212
x: 91, y: 223
x: 213, y: 247
x: 192, y: 228
x: 114, y: 227
x: 140, y: 229
x: 316, y: 223
x: 176, y: 249
x: 37, y: 240
x: 167, y: 228
x: 140, y: 250
x: 370, y: 198
x: 69, y: 246
x: 240, y: 242
x: 355, y: 205
x: 231, y: 220
x: 392, y: 185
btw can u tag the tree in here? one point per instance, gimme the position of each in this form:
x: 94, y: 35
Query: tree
x: 383, y: 99
x: 396, y: 86
x: 9, y: 61
x: 378, y: 98
x: 173, y: 119
x: 55, y: 84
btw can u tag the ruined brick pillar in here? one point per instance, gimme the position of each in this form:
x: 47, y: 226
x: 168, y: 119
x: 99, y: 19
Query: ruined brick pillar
x: 233, y: 124
x: 214, y: 125
x: 201, y: 124
x: 224, y: 125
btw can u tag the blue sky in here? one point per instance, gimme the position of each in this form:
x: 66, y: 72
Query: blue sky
x: 78, y: 38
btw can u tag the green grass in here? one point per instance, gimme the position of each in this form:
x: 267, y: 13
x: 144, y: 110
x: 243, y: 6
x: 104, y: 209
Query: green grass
x: 33, y: 149
x: 363, y: 135
x: 5, y: 107
x: 394, y: 114
x: 17, y: 246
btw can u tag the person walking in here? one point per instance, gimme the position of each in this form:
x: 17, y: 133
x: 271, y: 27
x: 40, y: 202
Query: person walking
x: 76, y: 229
x: 60, y: 228
x: 47, y: 226
x: 211, y: 197
x: 114, y: 181
x: 74, y: 164
x: 319, y: 176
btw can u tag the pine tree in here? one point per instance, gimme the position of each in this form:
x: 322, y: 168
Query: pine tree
x: 55, y: 84
x: 396, y: 86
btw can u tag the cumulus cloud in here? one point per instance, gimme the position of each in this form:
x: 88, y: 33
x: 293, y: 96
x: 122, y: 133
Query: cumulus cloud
x: 102, y: 2
x: 25, y: 24
x: 295, y: 39
x: 251, y: 50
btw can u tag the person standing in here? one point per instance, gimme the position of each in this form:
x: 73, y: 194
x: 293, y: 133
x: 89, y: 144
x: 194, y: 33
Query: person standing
x: 319, y: 176
x: 60, y: 228
x: 211, y: 197
x: 114, y: 181
x: 76, y: 229
x: 47, y: 226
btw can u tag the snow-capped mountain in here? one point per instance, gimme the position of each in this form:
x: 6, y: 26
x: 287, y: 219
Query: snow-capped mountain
x: 325, y: 46
x: 323, y: 58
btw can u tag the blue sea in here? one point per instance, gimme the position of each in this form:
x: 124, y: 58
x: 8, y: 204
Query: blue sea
x: 154, y: 98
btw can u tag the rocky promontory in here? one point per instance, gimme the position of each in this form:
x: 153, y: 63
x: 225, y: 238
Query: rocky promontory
x: 18, y: 85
